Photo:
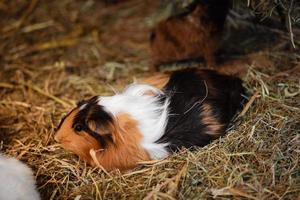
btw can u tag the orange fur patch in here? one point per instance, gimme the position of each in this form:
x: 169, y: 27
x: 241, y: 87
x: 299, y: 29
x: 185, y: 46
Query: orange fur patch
x: 66, y: 128
x: 126, y: 152
x: 215, y: 128
x: 157, y: 80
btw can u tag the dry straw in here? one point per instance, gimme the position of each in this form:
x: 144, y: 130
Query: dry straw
x: 52, y: 54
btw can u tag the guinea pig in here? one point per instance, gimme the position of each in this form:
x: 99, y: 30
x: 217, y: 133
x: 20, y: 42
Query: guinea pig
x: 192, y: 34
x: 152, y: 118
x: 17, y: 180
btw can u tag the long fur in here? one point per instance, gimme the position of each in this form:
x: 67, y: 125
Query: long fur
x: 145, y: 122
x: 147, y: 110
x: 202, y: 104
x: 16, y: 180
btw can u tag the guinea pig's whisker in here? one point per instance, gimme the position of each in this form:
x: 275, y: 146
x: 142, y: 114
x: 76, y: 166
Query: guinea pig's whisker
x: 98, y: 150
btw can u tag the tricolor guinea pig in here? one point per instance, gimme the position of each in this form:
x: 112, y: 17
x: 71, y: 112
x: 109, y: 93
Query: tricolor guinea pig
x: 152, y: 119
x: 192, y: 34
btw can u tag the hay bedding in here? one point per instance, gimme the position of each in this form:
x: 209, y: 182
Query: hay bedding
x: 55, y: 53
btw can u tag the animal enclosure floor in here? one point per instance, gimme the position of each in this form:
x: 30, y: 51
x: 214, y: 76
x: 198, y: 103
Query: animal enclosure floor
x: 55, y: 53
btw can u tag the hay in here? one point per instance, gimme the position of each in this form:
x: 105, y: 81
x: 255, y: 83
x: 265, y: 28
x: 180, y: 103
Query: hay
x: 53, y: 54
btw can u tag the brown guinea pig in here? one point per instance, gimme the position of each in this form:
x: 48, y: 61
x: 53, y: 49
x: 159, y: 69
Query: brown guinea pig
x: 152, y: 119
x: 190, y: 35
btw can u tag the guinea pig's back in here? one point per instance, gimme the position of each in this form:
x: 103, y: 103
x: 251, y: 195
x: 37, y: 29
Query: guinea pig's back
x: 202, y: 104
x: 17, y: 180
x: 227, y: 92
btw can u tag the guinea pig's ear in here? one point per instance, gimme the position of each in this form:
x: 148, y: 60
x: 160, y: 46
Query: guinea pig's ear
x: 99, y: 127
x: 101, y: 123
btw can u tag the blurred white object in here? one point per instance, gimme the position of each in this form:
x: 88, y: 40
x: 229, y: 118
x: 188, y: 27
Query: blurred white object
x: 16, y: 180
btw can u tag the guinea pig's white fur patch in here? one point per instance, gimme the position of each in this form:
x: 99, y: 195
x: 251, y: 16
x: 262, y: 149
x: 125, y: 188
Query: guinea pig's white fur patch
x: 16, y: 180
x: 147, y: 110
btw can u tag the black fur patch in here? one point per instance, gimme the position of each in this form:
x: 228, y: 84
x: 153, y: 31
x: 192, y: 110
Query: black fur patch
x: 216, y: 10
x: 189, y: 91
x: 93, y: 112
x: 152, y: 36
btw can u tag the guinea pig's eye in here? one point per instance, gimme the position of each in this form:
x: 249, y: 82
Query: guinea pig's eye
x: 78, y: 127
